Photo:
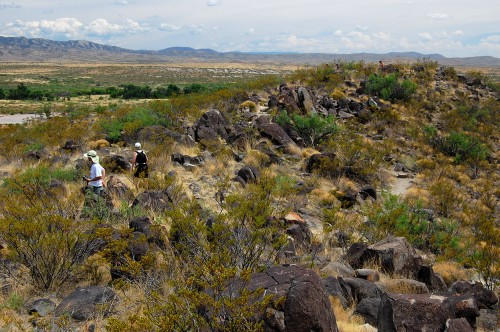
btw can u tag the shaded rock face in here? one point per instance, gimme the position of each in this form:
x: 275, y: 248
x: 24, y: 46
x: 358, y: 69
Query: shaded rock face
x: 412, y: 313
x: 458, y: 325
x: 87, y: 303
x: 42, y: 307
x: 248, y: 174
x: 358, y: 289
x: 116, y: 164
x: 152, y: 232
x: 368, y: 308
x: 305, y: 306
x: 434, y: 282
x: 117, y: 188
x: 157, y: 200
x: 211, y: 126
x: 274, y: 132
x: 486, y: 298
x: 395, y: 255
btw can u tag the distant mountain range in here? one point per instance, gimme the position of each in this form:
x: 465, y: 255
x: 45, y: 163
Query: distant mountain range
x: 21, y: 49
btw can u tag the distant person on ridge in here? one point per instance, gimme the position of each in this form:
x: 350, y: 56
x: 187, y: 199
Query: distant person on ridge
x: 140, y: 162
x: 380, y: 65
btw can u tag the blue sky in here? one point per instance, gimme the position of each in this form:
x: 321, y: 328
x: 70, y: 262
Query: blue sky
x: 452, y: 28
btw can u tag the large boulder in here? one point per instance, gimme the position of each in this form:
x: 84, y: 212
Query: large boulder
x: 395, y: 255
x: 157, y: 200
x: 117, y: 188
x: 368, y: 309
x: 274, y: 132
x: 360, y: 289
x: 116, y: 164
x: 305, y: 100
x: 152, y: 232
x: 211, y: 126
x: 412, y: 313
x: 485, y: 297
x: 304, y: 306
x: 87, y: 303
x: 458, y: 325
x: 248, y: 174
x: 434, y: 281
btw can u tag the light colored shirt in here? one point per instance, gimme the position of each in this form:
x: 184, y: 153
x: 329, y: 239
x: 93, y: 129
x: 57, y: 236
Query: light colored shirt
x: 95, y: 171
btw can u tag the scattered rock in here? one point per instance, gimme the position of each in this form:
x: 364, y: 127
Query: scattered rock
x: 249, y: 174
x: 368, y: 309
x: 116, y: 164
x: 42, y: 307
x: 458, y: 325
x: 87, y: 303
x: 367, y: 274
x: 338, y: 269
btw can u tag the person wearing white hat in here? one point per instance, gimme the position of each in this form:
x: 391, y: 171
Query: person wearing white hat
x: 97, y: 173
x: 140, y: 162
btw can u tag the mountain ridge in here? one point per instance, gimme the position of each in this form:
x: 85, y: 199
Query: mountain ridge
x: 22, y: 49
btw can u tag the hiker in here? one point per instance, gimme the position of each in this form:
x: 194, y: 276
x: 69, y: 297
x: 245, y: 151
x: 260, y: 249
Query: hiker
x: 97, y: 173
x: 140, y: 162
x: 380, y: 65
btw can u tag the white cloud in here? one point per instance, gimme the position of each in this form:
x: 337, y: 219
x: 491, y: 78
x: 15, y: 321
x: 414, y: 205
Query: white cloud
x: 169, y: 27
x: 102, y: 28
x: 250, y: 31
x: 9, y: 5
x: 59, y: 28
x: 212, y: 2
x: 438, y: 16
x: 121, y: 2
x: 426, y: 36
x: 196, y: 29
x: 494, y: 39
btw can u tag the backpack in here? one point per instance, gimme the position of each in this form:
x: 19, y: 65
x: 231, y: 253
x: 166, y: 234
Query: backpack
x: 141, y: 157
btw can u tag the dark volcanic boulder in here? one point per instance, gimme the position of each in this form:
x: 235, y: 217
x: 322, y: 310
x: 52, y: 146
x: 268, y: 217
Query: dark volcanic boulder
x: 116, y: 164
x: 434, y: 282
x: 118, y: 189
x: 360, y: 288
x: 485, y: 297
x: 274, y: 132
x: 395, y: 255
x: 412, y: 313
x: 152, y: 232
x: 88, y: 303
x: 249, y: 174
x: 458, y: 325
x: 368, y: 308
x: 354, y: 254
x: 305, y: 305
x: 42, y: 307
x: 463, y: 306
x: 211, y: 126
x: 157, y: 200
x: 333, y: 288
x: 322, y: 162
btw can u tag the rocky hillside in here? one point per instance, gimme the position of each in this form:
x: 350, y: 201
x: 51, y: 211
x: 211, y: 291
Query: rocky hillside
x: 345, y: 197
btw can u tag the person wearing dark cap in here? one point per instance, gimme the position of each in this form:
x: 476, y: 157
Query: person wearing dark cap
x: 97, y: 173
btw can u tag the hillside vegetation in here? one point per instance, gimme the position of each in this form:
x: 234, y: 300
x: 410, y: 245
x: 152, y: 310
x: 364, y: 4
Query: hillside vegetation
x: 289, y: 169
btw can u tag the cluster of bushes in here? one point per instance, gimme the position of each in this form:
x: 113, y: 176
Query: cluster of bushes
x: 125, y: 91
x: 390, y: 87
x: 313, y: 128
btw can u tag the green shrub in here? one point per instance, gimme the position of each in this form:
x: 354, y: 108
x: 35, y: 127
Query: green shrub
x: 394, y: 216
x: 313, y: 128
x: 130, y: 121
x: 41, y: 233
x: 390, y: 88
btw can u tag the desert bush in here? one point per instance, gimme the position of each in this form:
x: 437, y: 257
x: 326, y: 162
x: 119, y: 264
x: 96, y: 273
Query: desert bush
x: 130, y: 121
x: 313, y: 128
x: 394, y: 216
x: 41, y: 233
x: 390, y: 88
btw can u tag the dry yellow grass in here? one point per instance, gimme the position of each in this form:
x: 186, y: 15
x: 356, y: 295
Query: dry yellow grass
x: 99, y: 144
x: 451, y: 271
x: 347, y: 321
